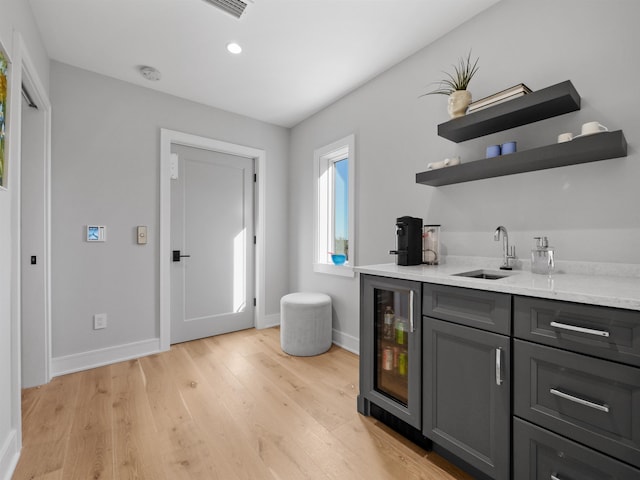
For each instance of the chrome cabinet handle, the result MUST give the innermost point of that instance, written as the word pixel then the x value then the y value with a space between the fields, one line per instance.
pixel 411 311
pixel 574 328
pixel 581 401
pixel 555 477
pixel 498 366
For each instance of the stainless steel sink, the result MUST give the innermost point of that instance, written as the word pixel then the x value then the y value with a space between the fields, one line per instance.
pixel 484 274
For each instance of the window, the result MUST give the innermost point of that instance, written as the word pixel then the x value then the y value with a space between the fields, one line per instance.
pixel 334 167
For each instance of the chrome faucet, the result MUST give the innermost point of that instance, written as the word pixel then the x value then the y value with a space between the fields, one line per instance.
pixel 508 253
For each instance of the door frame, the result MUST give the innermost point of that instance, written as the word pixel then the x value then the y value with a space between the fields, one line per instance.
pixel 23 68
pixel 168 138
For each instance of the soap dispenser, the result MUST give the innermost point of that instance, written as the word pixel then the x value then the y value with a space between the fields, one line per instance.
pixel 542 257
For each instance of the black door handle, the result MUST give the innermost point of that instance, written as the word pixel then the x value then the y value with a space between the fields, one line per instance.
pixel 177 256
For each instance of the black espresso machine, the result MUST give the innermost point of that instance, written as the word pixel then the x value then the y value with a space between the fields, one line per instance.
pixel 408 241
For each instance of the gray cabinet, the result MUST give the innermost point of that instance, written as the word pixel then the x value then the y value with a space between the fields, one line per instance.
pixel 577 387
pixel 466 394
pixel 592 401
pixel 539 454
pixel 475 308
pixel 466 375
pixel 390 358
pixel 514 386
pixel 605 332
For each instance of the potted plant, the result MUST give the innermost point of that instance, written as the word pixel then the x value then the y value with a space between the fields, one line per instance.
pixel 455 86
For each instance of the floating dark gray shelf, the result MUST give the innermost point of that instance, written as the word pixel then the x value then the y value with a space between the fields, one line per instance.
pixel 601 146
pixel 546 103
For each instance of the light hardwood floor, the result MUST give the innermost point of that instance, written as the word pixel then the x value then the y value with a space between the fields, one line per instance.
pixel 228 407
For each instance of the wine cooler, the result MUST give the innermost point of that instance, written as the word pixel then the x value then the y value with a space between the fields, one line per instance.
pixel 390 356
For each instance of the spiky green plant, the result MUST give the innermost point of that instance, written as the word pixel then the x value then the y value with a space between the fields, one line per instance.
pixel 464 72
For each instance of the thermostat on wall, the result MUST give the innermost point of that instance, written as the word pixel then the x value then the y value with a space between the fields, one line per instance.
pixel 96 233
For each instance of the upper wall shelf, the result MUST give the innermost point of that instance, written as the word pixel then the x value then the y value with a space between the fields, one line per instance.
pixel 546 103
pixel 601 146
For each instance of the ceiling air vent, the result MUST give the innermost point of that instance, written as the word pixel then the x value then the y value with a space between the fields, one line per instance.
pixel 234 7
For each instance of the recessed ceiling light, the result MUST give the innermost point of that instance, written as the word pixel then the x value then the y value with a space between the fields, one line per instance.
pixel 150 73
pixel 234 48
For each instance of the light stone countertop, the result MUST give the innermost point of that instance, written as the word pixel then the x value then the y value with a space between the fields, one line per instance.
pixel 585 287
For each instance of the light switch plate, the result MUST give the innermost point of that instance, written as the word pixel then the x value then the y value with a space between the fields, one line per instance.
pixel 142 235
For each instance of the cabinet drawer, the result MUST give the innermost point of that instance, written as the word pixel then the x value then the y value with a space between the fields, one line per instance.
pixel 539 454
pixel 592 401
pixel 609 333
pixel 476 308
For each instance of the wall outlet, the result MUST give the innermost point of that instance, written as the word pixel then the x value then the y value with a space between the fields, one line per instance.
pixel 99 321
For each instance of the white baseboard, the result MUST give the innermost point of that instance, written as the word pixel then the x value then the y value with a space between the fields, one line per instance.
pixel 103 356
pixel 106 356
pixel 269 321
pixel 346 341
pixel 9 455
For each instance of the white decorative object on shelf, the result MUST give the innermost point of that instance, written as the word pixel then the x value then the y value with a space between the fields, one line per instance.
pixel 447 162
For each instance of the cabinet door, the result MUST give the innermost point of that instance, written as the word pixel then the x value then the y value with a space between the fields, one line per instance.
pixel 390 347
pixel 466 394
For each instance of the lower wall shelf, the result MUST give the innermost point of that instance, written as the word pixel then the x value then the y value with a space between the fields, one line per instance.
pixel 601 146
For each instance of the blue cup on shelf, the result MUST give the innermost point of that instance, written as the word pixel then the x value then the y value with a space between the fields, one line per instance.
pixel 493 151
pixel 509 147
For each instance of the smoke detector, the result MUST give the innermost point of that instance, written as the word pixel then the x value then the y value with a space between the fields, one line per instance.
pixel 150 73
pixel 233 7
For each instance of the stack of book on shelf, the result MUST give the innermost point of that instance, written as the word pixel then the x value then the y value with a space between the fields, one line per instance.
pixel 500 97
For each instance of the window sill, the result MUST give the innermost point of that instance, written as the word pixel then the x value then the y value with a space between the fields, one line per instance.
pixel 340 270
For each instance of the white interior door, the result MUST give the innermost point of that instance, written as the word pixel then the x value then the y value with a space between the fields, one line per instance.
pixel 212 279
pixel 34 188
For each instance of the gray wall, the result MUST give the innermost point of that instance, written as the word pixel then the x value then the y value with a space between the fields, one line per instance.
pixel 106 137
pixel 590 212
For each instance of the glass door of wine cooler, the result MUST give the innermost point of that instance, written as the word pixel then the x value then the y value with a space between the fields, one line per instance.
pixel 390 347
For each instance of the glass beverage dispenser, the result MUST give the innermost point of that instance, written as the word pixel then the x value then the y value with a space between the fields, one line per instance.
pixel 431 244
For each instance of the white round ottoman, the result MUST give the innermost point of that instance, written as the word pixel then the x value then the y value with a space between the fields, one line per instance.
pixel 305 323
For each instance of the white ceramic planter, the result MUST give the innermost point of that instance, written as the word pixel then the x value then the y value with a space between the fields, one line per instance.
pixel 458 103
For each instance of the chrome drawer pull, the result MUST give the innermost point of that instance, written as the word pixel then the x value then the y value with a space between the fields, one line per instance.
pixel 573 328
pixel 555 477
pixel 581 401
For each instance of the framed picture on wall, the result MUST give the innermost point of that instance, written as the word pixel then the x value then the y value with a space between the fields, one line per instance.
pixel 4 97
